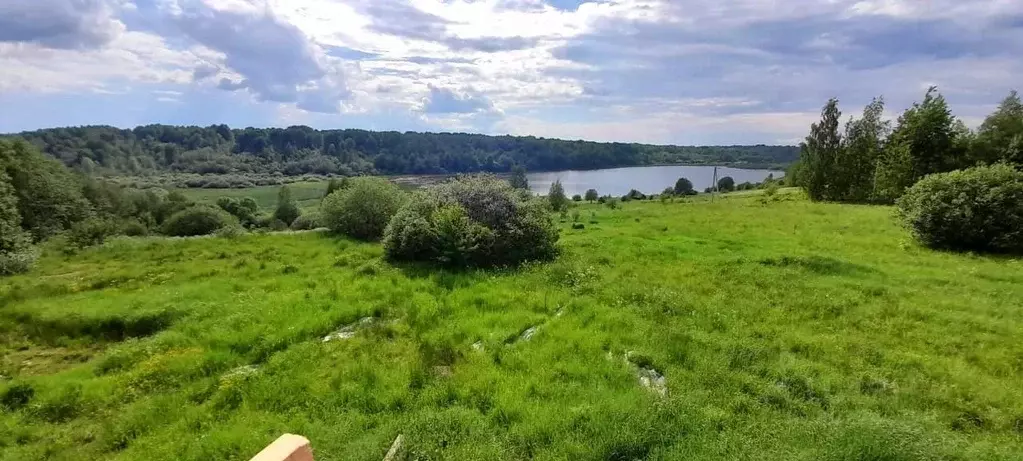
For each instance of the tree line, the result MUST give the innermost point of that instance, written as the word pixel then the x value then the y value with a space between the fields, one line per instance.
pixel 299 150
pixel 954 188
pixel 870 161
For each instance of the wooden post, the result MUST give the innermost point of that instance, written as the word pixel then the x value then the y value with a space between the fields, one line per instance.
pixel 288 447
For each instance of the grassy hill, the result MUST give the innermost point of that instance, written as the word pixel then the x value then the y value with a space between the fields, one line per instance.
pixel 783 330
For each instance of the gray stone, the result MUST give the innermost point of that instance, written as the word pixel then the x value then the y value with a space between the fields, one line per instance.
pixel 348 331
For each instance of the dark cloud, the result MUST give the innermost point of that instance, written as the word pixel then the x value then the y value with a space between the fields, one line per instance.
pixel 400 19
pixel 489 44
pixel 203 72
pixel 447 101
pixel 789 64
pixel 276 60
pixel 66 24
pixel 403 20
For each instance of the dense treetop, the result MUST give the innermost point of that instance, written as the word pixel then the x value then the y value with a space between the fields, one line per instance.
pixel 300 150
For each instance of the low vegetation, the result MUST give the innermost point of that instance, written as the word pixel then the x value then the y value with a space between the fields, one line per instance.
pixel 766 328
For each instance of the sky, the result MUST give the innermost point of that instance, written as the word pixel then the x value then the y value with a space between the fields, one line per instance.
pixel 654 71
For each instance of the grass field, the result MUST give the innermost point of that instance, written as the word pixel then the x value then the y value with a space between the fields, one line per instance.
pixel 784 330
pixel 307 194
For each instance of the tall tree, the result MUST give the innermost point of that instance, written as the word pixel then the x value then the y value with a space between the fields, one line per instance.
pixel 1000 137
pixel 556 197
pixel 50 198
pixel 518 178
pixel 592 195
pixel 928 129
pixel 15 243
pixel 11 235
pixel 856 163
pixel 819 153
pixel 287 211
pixel 927 139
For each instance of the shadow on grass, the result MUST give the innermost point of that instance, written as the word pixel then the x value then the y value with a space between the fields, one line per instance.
pixel 108 328
pixel 820 265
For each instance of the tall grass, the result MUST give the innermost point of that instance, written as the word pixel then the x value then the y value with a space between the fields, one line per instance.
pixel 784 330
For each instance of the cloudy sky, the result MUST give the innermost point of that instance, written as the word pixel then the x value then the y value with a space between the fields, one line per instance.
pixel 659 71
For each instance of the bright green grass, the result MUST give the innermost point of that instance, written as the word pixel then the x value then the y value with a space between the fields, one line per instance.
pixel 307 194
pixel 787 331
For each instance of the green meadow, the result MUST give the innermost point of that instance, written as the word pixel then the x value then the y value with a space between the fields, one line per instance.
pixel 306 194
pixel 747 328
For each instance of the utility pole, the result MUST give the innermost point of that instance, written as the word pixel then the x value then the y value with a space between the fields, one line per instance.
pixel 714 185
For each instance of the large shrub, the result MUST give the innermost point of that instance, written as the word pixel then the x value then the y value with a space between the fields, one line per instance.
pixel 974 209
pixel 726 184
pixel 474 221
pixel 363 210
pixel 308 221
pixel 198 220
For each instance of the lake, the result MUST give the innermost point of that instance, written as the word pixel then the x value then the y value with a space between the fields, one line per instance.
pixel 646 179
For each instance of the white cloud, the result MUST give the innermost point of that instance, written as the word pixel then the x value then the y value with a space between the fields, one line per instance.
pixel 645 70
pixel 134 57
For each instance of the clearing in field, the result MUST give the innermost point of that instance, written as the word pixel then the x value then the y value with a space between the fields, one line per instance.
pixel 740 329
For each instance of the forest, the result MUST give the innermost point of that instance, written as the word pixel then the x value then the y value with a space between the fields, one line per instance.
pixel 300 150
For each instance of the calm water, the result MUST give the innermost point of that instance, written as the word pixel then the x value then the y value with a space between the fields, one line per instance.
pixel 646 179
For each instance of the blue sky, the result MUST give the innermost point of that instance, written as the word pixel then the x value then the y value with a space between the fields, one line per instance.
pixel 659 71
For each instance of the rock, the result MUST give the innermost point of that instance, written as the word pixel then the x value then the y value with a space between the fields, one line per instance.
pixel 653 380
pixel 394 454
pixel 478 345
pixel 244 370
pixel 348 331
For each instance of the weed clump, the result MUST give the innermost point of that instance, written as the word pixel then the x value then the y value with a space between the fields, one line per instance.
pixel 17 396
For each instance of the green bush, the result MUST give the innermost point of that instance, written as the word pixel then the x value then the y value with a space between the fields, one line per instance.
pixel 245 209
pixel 91 232
pixel 474 221
pixel 308 221
pixel 230 231
pixel 363 210
pixel 977 209
pixel 198 220
pixel 19 260
pixel 134 228
pixel 276 225
pixel 684 187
